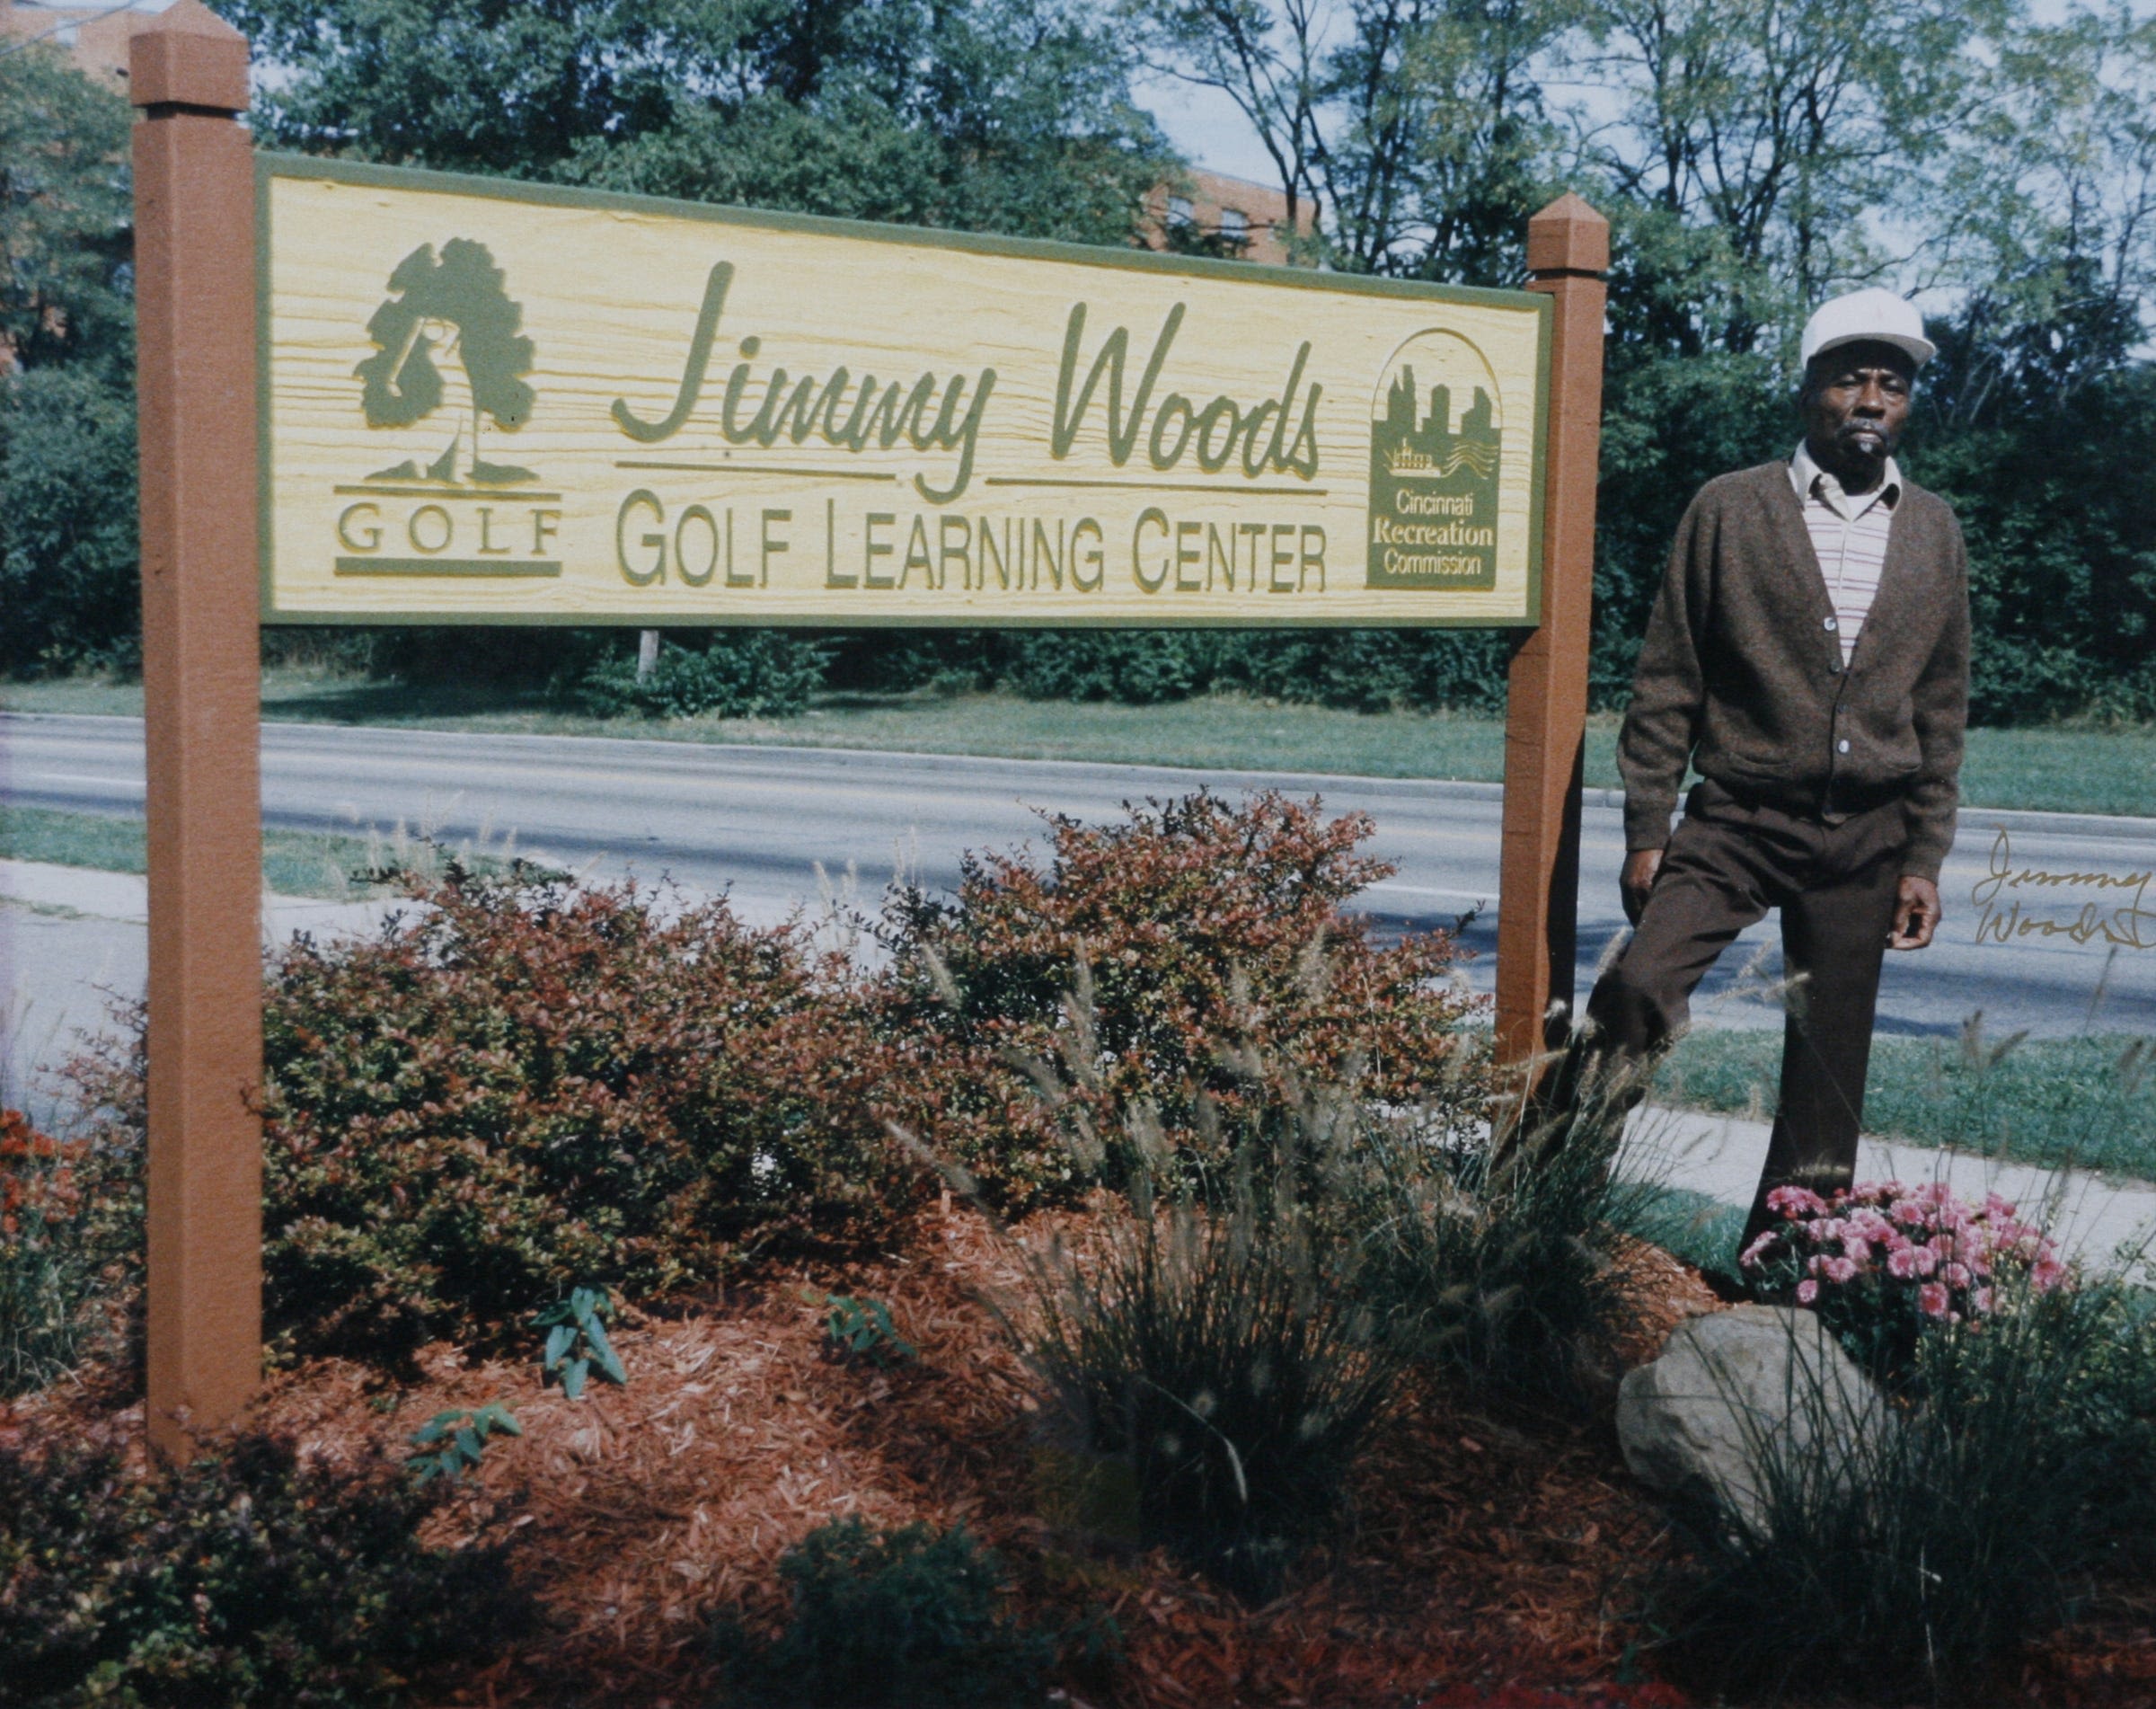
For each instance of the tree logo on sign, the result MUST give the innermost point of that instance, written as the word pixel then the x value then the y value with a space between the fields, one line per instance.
pixel 448 332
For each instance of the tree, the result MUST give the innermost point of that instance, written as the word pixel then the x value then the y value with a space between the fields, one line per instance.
pixel 458 304
pixel 67 469
pixel 65 212
pixel 1012 115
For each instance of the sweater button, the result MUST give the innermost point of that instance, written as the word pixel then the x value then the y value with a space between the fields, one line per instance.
pixel 1831 625
pixel 1842 747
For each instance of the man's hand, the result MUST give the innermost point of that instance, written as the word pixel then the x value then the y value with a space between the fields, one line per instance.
pixel 1917 912
pixel 1642 866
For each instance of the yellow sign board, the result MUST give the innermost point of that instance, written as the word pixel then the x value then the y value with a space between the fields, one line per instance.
pixel 502 402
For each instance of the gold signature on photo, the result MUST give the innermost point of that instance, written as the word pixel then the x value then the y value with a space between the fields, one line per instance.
pixel 2120 917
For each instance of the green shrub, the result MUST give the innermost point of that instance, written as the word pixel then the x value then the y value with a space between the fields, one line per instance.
pixel 46 1273
pixel 1178 921
pixel 68 542
pixel 905 1618
pixel 249 1576
pixel 520 1087
pixel 2016 1468
pixel 756 674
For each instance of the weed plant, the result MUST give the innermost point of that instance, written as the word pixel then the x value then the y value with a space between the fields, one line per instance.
pixel 900 1619
pixel 250 1577
pixel 2015 1467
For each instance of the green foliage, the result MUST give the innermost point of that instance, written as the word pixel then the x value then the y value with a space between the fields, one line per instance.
pixel 458 1438
pixel 1168 927
pixel 756 674
pixel 577 1339
pixel 1012 115
pixel 1971 1525
pixel 521 1088
pixel 253 1577
pixel 64 209
pixel 858 1331
pixel 68 541
pixel 896 1619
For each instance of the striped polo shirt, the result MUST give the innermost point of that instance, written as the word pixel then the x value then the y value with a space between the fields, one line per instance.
pixel 1848 539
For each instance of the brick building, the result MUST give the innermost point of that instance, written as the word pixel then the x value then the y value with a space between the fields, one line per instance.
pixel 1212 213
pixel 94 36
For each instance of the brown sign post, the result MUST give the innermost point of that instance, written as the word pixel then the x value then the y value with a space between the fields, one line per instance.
pixel 194 250
pixel 1546 698
pixel 204 554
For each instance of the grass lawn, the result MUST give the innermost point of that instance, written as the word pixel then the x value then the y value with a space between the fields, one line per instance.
pixel 2064 770
pixel 293 862
pixel 2088 1102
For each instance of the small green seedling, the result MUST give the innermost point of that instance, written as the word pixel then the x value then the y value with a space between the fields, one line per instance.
pixel 576 1341
pixel 459 1438
pixel 863 1329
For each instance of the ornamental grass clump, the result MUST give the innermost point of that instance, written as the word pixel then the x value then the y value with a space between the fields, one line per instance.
pixel 2009 1477
pixel 1493 1246
pixel 1205 1339
pixel 522 1086
pixel 1883 1262
pixel 1186 913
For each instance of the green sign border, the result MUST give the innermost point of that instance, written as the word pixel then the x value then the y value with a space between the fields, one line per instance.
pixel 268 165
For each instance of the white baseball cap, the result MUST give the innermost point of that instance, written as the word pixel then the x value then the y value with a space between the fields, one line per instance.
pixel 1871 314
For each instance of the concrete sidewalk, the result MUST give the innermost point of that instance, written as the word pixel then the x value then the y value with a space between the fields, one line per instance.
pixel 2092 1216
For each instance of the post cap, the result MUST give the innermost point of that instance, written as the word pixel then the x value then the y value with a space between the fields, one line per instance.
pixel 188 56
pixel 1568 237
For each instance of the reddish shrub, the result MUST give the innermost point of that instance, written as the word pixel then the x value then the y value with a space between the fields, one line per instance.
pixel 1194 925
pixel 519 1086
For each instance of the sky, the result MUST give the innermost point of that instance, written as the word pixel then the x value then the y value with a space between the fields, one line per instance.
pixel 1208 128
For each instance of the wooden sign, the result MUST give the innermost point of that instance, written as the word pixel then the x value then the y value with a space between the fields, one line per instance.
pixel 493 402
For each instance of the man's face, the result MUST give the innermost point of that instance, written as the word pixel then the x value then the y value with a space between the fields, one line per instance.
pixel 1855 404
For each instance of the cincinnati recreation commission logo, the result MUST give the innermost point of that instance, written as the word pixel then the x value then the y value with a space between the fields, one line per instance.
pixel 450 358
pixel 1435 441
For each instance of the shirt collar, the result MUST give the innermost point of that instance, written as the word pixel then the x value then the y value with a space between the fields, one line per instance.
pixel 1809 478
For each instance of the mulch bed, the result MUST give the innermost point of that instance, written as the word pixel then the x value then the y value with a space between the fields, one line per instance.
pixel 1496 1557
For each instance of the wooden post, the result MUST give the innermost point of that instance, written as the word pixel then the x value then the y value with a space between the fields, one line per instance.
pixel 1546 695
pixel 194 257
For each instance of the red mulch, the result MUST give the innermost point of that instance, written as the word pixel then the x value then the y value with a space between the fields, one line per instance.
pixel 1496 1559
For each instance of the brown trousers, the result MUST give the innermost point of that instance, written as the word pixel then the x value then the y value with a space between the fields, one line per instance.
pixel 1834 880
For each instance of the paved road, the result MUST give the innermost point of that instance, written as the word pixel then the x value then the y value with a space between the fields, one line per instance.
pixel 765 820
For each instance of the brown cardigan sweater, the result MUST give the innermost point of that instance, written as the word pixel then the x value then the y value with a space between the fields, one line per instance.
pixel 1741 670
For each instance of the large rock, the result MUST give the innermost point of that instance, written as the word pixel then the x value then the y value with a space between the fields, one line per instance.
pixel 1737 1390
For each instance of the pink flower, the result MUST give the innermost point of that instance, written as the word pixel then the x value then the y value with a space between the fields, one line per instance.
pixel 1981 1300
pixel 1909 1261
pixel 1807 1292
pixel 1793 1201
pixel 2000 1210
pixel 1751 1256
pixel 1858 1249
pixel 2046 1274
pixel 1958 1276
pixel 1932 1299
pixel 1869 1223
pixel 1838 1269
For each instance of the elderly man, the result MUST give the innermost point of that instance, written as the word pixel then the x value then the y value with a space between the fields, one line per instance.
pixel 1808 655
